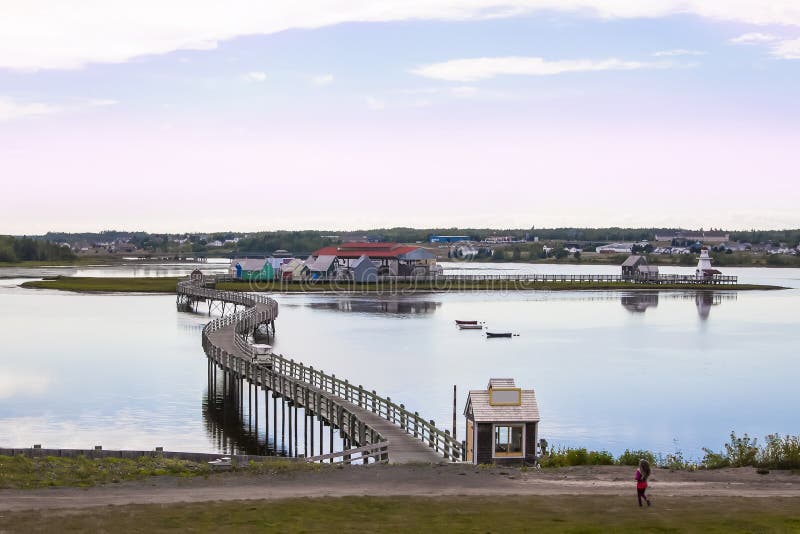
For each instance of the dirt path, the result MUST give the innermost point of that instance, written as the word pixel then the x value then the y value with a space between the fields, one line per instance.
pixel 408 481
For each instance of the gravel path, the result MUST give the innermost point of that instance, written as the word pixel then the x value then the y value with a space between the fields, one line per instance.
pixel 390 480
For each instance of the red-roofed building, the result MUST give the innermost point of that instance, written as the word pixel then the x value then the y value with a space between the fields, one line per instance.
pixel 389 258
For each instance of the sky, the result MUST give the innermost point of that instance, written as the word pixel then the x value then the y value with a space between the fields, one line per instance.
pixel 193 115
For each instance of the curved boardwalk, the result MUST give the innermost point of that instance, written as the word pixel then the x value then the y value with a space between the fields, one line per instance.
pixel 375 426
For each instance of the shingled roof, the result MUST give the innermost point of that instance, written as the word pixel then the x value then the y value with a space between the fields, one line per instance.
pixel 481 411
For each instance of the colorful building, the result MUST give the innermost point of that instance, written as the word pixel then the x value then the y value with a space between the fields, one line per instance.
pixel 390 259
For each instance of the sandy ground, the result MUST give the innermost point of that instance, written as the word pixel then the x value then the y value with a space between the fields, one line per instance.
pixel 388 480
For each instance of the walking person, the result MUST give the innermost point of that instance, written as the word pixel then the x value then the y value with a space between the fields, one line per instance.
pixel 642 474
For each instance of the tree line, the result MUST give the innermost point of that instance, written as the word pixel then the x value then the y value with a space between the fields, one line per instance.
pixel 14 249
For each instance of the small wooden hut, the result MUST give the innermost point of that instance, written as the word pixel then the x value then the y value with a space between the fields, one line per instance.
pixel 502 424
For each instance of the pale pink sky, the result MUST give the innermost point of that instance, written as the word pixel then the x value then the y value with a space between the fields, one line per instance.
pixel 515 113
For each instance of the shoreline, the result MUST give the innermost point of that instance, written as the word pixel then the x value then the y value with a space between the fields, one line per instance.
pixel 166 285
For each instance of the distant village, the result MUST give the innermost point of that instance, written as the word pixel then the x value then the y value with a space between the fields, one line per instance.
pixel 229 244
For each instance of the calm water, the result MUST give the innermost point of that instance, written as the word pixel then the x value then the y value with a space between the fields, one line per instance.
pixel 611 370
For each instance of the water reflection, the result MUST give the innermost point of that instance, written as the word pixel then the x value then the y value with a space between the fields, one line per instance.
pixel 241 419
pixel 639 302
pixel 378 306
pixel 704 300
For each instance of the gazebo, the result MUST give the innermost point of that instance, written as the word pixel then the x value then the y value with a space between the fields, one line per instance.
pixel 502 424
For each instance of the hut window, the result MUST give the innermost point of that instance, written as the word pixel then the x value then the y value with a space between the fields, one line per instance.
pixel 508 440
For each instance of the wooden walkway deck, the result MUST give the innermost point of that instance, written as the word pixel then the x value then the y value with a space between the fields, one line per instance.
pixel 362 417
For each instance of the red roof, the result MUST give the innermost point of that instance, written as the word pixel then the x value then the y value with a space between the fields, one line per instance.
pixel 372 250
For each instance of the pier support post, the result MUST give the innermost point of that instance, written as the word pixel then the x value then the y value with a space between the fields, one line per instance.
pixel 290 430
pixel 283 425
pixel 331 441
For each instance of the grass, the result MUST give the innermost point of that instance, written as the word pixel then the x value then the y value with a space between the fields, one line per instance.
pixel 21 472
pixel 164 284
pixel 562 513
pixel 167 285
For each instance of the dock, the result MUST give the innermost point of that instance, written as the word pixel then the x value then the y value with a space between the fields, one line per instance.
pixel 373 428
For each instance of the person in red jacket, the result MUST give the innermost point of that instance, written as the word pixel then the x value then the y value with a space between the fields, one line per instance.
pixel 642 474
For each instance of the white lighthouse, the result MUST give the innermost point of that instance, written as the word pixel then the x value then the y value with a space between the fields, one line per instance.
pixel 704 269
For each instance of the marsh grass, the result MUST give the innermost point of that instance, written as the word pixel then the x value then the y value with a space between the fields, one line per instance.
pixel 22 472
pixel 86 284
pixel 168 285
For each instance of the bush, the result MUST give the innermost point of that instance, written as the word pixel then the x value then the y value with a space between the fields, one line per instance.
pixel 572 457
pixel 632 457
pixel 780 453
pixel 714 460
pixel 741 452
pixel 577 456
pixel 600 458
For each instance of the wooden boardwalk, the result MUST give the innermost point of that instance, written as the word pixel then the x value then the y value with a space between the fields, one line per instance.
pixel 362 417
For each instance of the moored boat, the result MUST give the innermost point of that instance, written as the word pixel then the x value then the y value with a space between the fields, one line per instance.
pixel 466 322
pixel 499 334
pixel 470 327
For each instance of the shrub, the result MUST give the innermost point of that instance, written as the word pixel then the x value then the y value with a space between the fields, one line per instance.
pixel 577 456
pixel 632 457
pixel 715 460
pixel 571 457
pixel 780 452
pixel 741 452
pixel 600 458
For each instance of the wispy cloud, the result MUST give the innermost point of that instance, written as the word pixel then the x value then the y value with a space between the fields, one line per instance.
pixel 12 109
pixel 464 91
pixel 470 70
pixel 255 76
pixel 678 52
pixel 789 49
pixel 753 38
pixel 375 103
pixel 102 102
pixel 322 79
pixel 41 34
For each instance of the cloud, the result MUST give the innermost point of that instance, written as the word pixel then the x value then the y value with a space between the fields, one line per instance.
pixel 470 70
pixel 375 103
pixel 11 109
pixel 789 49
pixel 753 38
pixel 14 383
pixel 678 52
pixel 322 79
pixel 102 102
pixel 69 34
pixel 255 76
pixel 464 91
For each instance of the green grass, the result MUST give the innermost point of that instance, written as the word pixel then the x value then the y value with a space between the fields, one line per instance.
pixel 167 285
pixel 21 472
pixel 585 514
pixel 86 284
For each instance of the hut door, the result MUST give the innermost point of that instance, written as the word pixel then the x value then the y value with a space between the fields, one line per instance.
pixel 470 434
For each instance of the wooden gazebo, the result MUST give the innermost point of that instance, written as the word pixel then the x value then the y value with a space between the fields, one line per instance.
pixel 502 424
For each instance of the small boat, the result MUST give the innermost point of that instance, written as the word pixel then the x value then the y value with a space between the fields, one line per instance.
pixel 499 334
pixel 466 322
pixel 470 327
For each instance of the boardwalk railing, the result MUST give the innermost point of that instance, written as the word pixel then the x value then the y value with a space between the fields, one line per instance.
pixel 378 451
pixel 305 385
pixel 445 279
pixel 441 441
